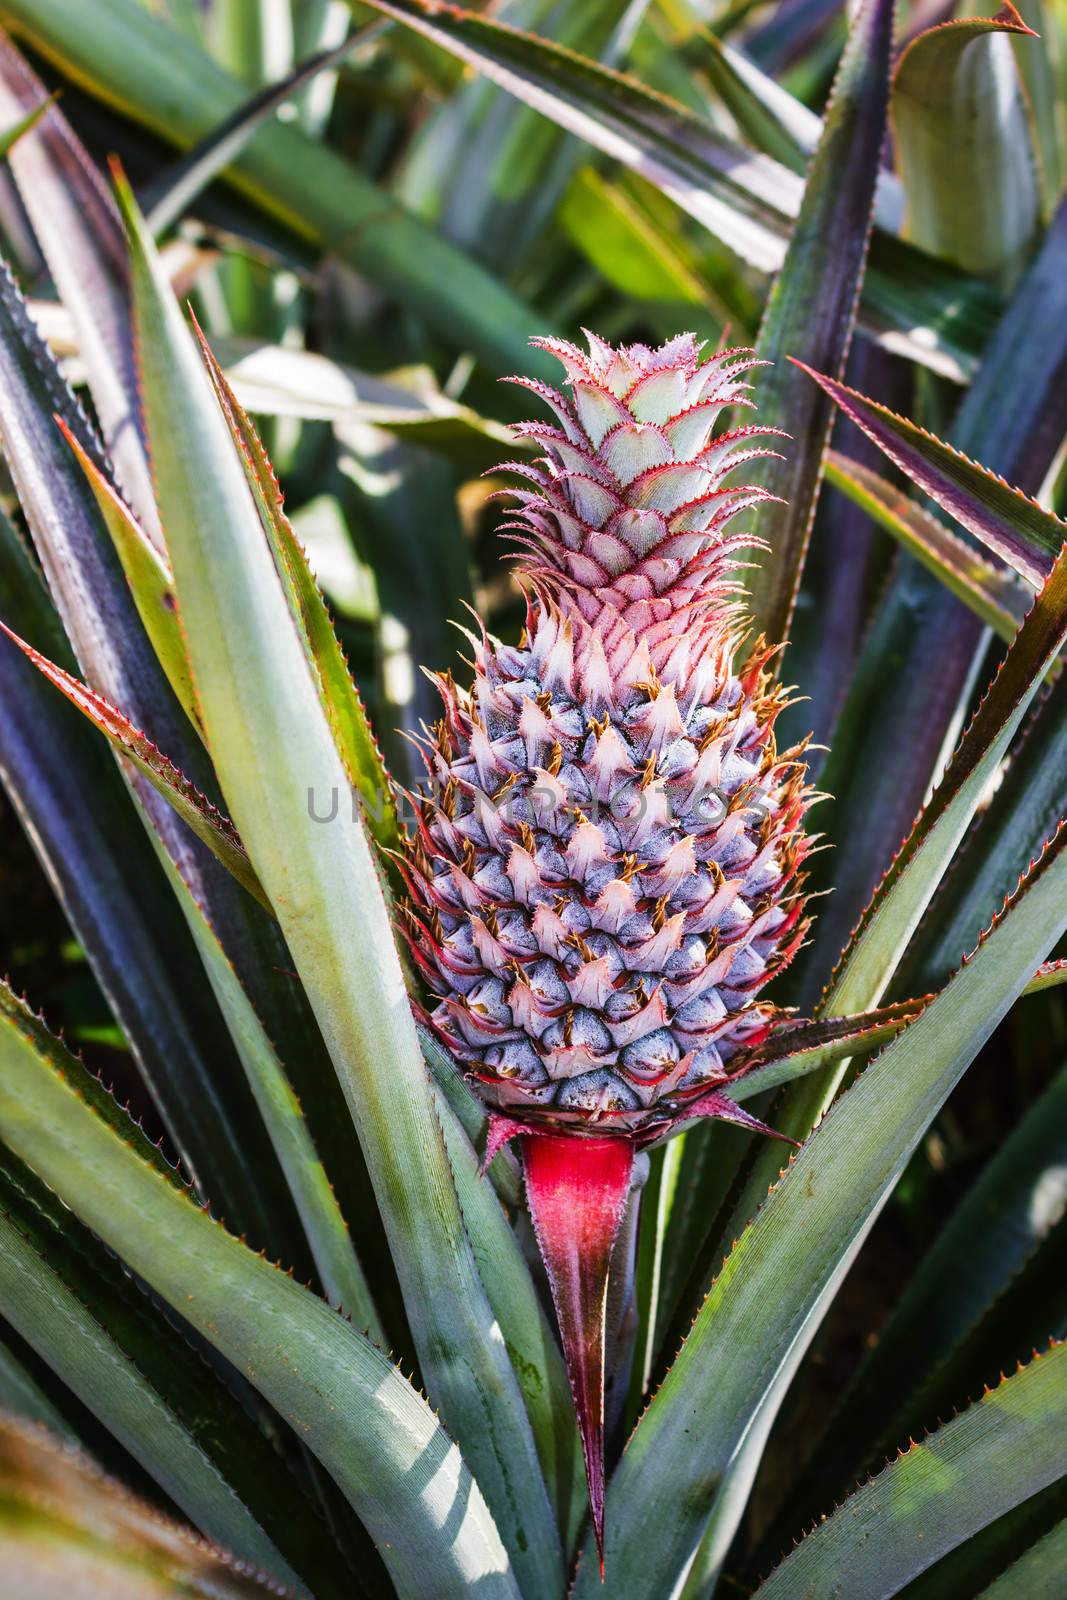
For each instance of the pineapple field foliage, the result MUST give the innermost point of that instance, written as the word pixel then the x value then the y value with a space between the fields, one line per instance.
pixel 388 1205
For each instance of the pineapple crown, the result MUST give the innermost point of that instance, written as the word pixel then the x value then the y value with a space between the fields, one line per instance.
pixel 624 527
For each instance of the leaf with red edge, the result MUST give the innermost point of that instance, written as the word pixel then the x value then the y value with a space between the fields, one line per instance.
pixel 812 308
pixel 1006 520
pixel 577 1190
pixel 996 596
pixel 195 809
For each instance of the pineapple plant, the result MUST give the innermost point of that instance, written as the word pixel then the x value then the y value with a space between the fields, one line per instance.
pixel 477 1139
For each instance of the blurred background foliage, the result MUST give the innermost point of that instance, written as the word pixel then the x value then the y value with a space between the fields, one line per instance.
pixel 367 254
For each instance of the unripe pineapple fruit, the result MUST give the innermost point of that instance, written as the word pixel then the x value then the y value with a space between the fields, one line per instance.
pixel 606 872
pixel 606 868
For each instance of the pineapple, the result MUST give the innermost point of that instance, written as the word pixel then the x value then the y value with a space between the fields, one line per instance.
pixel 606 871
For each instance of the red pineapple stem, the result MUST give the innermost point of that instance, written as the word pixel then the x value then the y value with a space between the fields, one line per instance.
pixel 577 1191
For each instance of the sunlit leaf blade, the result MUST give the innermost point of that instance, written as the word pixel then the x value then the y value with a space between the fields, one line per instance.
pixel 725 1386
pixel 743 202
pixel 134 59
pixel 148 573
pixel 227 1149
pixel 85 1349
pixel 195 809
pixel 812 307
pixel 1006 520
pixel 998 599
pixel 964 145
pixel 768 116
pixel 938 1493
pixel 63 1525
pixel 1038 63
pixel 274 380
pixel 78 229
pixel 340 698
pixel 351 1407
pixel 488 169
pixel 262 713
pixel 745 199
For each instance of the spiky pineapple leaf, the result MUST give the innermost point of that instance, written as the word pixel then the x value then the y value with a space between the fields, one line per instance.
pixel 148 573
pixel 725 1387
pixel 378 1439
pixel 904 893
pixel 272 744
pixel 964 144
pixel 134 59
pixel 63 1524
pixel 939 1492
pixel 1000 1223
pixel 340 1271
pixel 1006 520
pixel 195 809
pixel 78 230
pixel 746 200
pixel 768 116
pixel 996 597
pixel 812 306
pixel 226 1147
pixel 91 1352
pixel 340 698
pixel 1003 837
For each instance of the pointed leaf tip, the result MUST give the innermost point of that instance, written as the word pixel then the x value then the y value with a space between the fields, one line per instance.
pixel 577 1189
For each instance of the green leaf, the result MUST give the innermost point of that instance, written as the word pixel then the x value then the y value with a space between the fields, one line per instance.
pixel 991 593
pixel 1010 523
pixel 377 1438
pixel 1040 1574
pixel 964 146
pixel 10 137
pixel 148 574
pixel 136 61
pixel 84 1353
pixel 262 713
pixel 812 306
pixel 339 696
pixel 340 1272
pixel 1006 834
pixel 722 1392
pixel 195 809
pixel 768 116
pixel 904 893
pixel 21 1397
pixel 939 1493
pixel 746 200
pixel 1010 1209
pixel 63 1525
